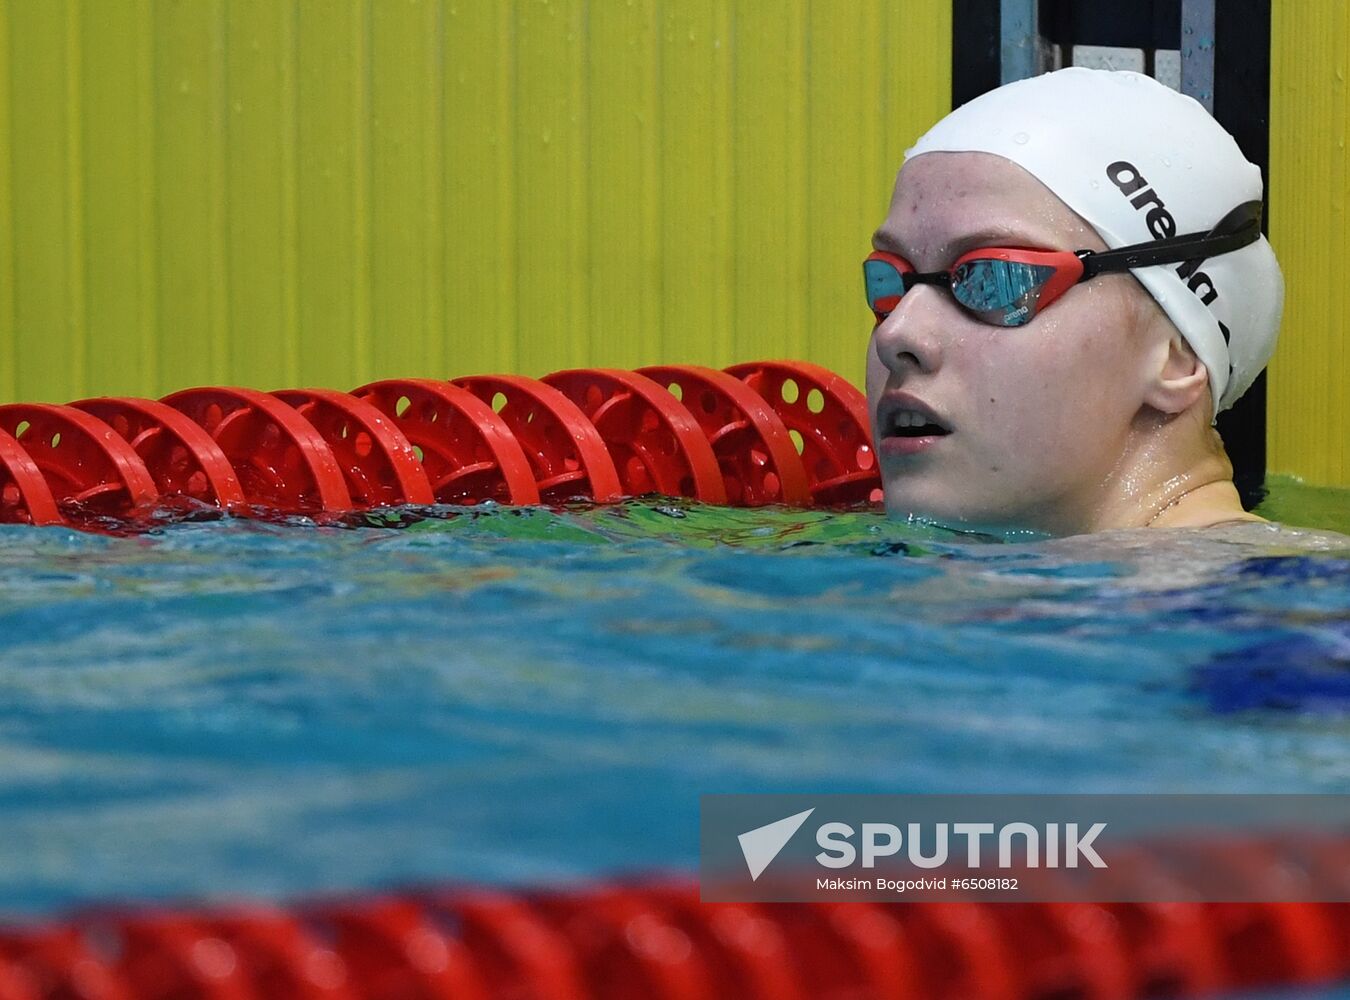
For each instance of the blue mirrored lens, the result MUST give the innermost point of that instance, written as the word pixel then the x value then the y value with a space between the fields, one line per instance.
pixel 1002 292
pixel 884 285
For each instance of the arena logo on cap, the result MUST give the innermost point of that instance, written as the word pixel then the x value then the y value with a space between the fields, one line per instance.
pixel 1161 225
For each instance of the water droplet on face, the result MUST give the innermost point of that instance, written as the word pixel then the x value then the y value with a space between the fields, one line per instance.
pixel 1021 138
pixel 1094 184
pixel 1166 162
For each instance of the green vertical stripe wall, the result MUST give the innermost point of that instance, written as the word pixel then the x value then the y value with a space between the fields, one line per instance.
pixel 323 192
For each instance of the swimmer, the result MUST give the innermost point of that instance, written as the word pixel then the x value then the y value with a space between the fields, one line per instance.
pixel 1020 375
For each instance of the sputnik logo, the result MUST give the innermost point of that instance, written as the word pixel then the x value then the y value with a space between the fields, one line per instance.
pixel 762 844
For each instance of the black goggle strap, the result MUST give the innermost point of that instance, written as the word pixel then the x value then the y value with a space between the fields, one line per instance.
pixel 1234 231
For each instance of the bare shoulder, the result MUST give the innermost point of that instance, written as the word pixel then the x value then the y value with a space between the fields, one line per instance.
pixel 1150 559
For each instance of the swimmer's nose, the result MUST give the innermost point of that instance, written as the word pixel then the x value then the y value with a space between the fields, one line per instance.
pixel 906 339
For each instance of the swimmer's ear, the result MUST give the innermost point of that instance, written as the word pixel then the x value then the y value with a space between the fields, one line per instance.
pixel 1181 379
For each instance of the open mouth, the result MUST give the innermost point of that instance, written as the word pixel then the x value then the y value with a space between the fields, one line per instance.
pixel 911 424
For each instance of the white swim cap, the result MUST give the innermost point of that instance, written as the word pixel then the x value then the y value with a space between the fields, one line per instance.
pixel 1139 162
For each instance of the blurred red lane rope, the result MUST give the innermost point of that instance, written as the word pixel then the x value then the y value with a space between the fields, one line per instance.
pixel 656 940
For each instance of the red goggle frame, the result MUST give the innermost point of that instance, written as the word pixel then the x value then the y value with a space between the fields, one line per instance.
pixel 1008 286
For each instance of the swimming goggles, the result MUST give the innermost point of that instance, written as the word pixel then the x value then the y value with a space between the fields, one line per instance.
pixel 1008 286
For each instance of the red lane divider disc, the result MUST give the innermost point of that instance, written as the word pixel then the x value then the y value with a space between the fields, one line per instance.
pixel 1264 943
pixel 468 451
pixel 656 443
pixel 746 953
pixel 16 984
pixel 25 497
pixel 167 956
pixel 58 963
pixel 282 462
pixel 830 420
pixel 1074 949
pixel 759 462
pixel 830 958
pixel 392 950
pixel 518 953
pixel 180 456
pixel 283 959
pixel 629 949
pixel 1306 928
pixel 1171 948
pixel 377 460
pixel 1326 859
pixel 565 450
pixel 83 460
pixel 965 954
pixel 877 941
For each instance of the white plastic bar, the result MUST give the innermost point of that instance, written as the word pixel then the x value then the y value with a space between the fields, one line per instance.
pixel 1020 39
pixel 1197 51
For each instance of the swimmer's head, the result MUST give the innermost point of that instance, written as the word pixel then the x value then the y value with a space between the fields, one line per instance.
pixel 1139 161
pixel 1100 399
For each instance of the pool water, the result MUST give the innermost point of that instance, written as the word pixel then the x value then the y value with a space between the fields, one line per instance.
pixel 523 697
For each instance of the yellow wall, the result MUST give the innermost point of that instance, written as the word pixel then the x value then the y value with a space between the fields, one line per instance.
pixel 322 192
pixel 1309 392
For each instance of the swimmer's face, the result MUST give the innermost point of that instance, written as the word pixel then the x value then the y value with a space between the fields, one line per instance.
pixel 1039 414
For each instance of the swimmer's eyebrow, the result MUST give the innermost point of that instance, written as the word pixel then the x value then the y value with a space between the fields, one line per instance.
pixel 1000 237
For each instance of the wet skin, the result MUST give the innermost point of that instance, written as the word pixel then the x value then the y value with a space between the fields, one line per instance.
pixel 1083 419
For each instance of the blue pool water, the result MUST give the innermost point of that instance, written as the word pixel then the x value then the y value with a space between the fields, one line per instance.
pixel 528 696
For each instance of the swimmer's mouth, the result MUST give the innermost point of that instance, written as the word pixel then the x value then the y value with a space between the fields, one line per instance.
pixel 903 415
